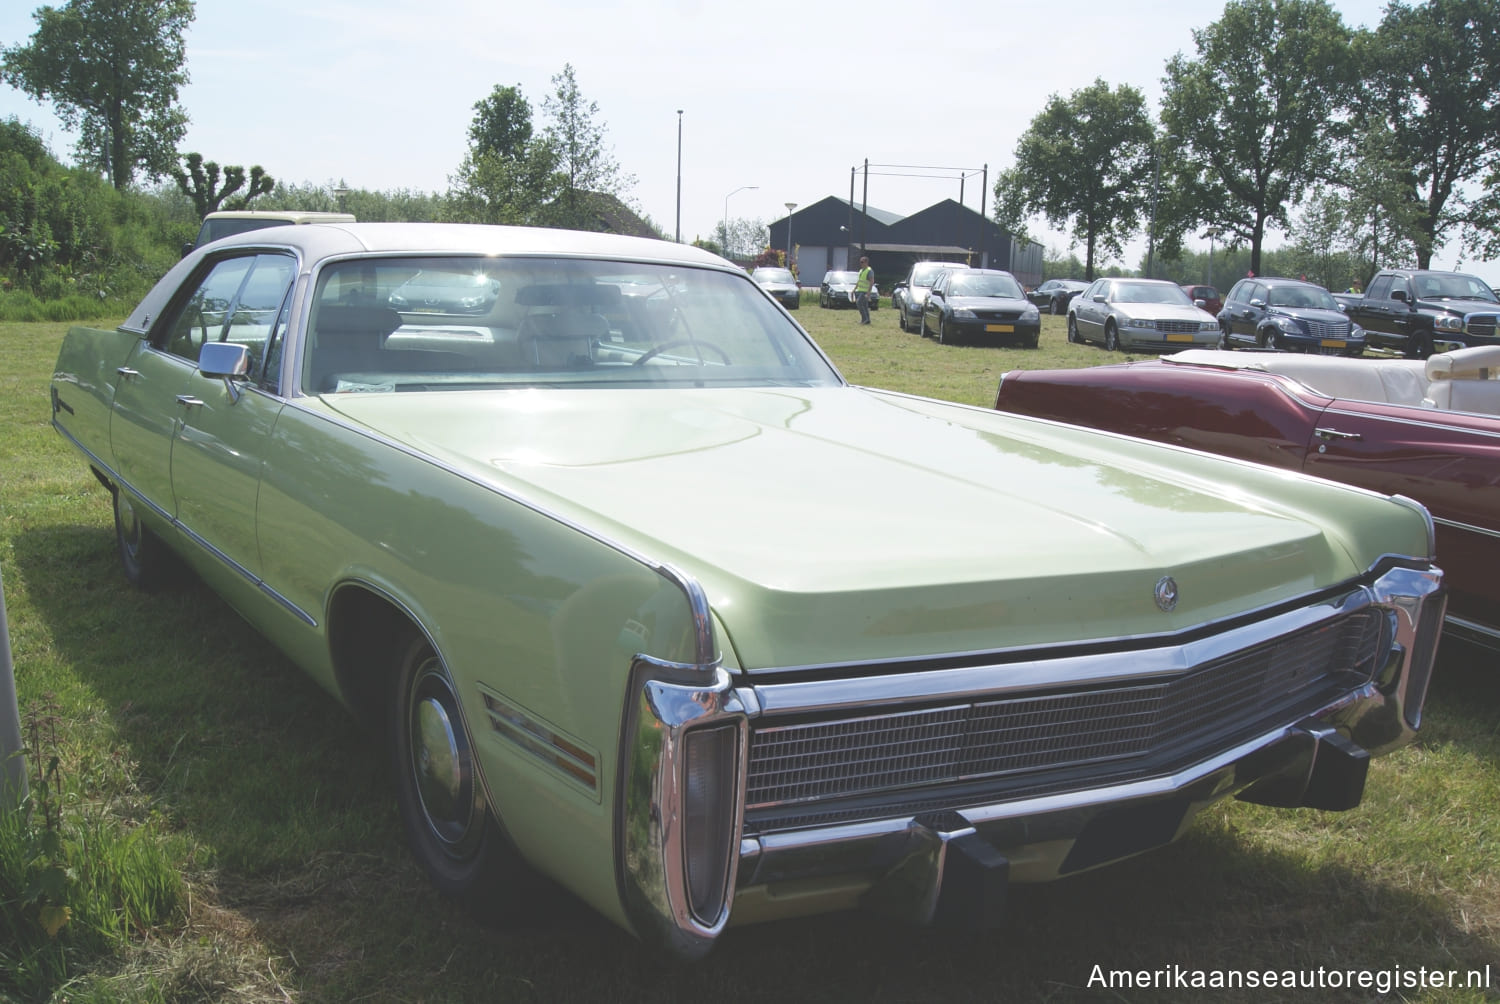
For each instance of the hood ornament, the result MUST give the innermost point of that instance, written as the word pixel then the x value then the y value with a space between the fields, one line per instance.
pixel 1166 594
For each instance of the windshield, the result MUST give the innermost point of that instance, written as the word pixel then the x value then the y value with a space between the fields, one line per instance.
pixel 926 273
pixel 772 275
pixel 1454 286
pixel 841 278
pixel 1313 297
pixel 548 322
pixel 986 285
pixel 1149 292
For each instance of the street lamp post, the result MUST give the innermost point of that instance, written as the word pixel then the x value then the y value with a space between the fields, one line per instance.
pixel 790 261
pixel 679 176
pixel 742 188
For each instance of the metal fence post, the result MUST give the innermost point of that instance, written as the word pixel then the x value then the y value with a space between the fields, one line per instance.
pixel 13 774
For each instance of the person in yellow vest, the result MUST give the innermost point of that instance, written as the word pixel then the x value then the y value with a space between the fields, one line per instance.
pixel 862 287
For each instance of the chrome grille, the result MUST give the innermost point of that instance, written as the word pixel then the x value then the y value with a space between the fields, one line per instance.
pixel 1178 327
pixel 1328 329
pixel 1481 324
pixel 805 772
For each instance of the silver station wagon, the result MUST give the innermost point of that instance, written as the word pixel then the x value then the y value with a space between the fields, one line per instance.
pixel 627 578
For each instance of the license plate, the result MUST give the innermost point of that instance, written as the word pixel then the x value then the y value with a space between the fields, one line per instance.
pixel 1332 343
pixel 999 327
pixel 1179 338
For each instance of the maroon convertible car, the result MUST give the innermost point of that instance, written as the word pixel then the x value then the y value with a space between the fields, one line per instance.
pixel 1428 430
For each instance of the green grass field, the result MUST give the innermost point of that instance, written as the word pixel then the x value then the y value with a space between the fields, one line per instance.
pixel 185 744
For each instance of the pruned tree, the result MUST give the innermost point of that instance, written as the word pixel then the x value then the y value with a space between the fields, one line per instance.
pixel 111 69
pixel 1250 122
pixel 1434 84
pixel 199 181
pixel 1082 164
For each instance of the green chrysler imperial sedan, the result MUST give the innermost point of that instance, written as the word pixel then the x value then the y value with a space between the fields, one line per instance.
pixel 641 595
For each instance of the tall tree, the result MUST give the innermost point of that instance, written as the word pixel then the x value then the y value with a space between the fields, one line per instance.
pixel 1434 82
pixel 1250 122
pixel 111 69
pixel 502 123
pixel 577 141
pixel 507 175
pixel 199 181
pixel 1083 161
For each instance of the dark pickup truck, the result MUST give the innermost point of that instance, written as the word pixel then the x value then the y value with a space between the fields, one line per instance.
pixel 1418 311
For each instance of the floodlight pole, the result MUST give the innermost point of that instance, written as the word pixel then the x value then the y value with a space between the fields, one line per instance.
pixel 12 760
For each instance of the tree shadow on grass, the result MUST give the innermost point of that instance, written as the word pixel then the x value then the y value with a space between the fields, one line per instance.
pixel 290 802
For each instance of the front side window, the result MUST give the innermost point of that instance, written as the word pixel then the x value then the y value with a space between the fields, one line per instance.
pixel 240 300
pixel 552 322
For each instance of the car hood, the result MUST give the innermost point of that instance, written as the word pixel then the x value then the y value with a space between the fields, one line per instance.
pixel 1310 314
pixel 1163 311
pixel 1460 307
pixel 837 524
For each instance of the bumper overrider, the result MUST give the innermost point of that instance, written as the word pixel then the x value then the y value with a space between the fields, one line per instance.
pixel 923 789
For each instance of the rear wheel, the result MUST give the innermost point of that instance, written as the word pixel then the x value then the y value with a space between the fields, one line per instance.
pixel 147 562
pixel 448 822
pixel 1111 337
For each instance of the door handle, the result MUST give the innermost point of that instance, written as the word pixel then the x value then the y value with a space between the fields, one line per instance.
pixel 188 401
pixel 1336 434
pixel 127 373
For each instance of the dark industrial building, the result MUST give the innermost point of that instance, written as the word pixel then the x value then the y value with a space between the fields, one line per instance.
pixel 833 233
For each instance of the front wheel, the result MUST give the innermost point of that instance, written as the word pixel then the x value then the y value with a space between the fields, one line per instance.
pixel 1420 346
pixel 1073 330
pixel 448 822
pixel 1111 337
pixel 1224 338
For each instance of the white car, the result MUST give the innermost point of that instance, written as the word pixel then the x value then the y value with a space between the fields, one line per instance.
pixel 1125 313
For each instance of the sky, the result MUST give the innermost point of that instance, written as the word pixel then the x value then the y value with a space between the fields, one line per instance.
pixel 779 102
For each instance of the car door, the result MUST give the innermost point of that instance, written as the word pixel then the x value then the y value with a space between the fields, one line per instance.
pixel 1088 315
pixel 1245 309
pixel 151 393
pixel 932 310
pixel 1377 312
pixel 219 448
pixel 1448 461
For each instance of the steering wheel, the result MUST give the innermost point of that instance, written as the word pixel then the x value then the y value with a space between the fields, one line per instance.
pixel 697 343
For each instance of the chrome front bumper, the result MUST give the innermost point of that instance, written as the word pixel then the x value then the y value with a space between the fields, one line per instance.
pixel 931 852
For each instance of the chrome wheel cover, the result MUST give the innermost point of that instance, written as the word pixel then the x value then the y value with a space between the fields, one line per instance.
pixel 441 761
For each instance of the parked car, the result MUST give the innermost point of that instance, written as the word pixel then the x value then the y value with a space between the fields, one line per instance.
pixel 1054 295
pixel 225 222
pixel 781 284
pixel 980 304
pixel 911 293
pixel 1139 314
pixel 623 575
pixel 837 291
pixel 1420 311
pixel 1212 302
pixel 1430 431
pixel 446 292
pixel 1288 315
